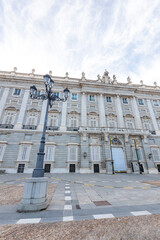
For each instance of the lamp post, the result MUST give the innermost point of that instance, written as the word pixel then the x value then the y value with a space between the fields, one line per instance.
pixel 35 188
pixel 136 143
pixel 50 97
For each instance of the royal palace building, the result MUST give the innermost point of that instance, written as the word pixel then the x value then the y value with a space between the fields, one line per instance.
pixel 104 126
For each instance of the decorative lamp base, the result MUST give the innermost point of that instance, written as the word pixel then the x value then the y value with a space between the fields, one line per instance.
pixel 34 195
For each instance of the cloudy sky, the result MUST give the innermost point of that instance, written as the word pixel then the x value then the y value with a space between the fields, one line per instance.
pixel 122 36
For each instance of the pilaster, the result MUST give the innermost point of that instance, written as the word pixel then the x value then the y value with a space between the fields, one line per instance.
pixel 120 120
pixel 64 116
pixel 43 111
pixel 154 121
pixel 3 100
pixel 19 123
pixel 102 119
pixel 138 123
pixel 83 110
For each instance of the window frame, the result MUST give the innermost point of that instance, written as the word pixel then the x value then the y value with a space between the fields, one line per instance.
pixel 125 101
pixel 76 152
pixel 20 153
pixel 90 98
pixel 156 102
pixel 3 145
pixel 97 154
pixel 140 101
pixel 107 98
pixel 73 99
pixel 51 146
pixel 16 95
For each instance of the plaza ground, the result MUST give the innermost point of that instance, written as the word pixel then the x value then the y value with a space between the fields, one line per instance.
pixel 84 206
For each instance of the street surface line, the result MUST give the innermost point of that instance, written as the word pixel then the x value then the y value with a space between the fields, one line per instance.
pixel 28 220
pixel 67 198
pixel 101 216
pixel 108 186
pixel 86 184
pixel 127 187
pixel 67 207
pixel 66 219
pixel 140 213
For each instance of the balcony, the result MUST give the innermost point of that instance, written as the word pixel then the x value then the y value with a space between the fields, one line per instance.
pixel 54 128
pixel 32 127
pixel 114 130
pixel 9 126
pixel 72 128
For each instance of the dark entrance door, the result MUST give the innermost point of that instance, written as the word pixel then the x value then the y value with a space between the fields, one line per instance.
pixel 158 166
pixel 96 168
pixel 47 168
pixel 20 168
pixel 141 168
pixel 72 167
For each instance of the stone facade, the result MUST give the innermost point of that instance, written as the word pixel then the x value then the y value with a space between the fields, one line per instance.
pixel 103 126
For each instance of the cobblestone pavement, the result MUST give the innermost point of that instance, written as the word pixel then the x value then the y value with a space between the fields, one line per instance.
pixel 84 196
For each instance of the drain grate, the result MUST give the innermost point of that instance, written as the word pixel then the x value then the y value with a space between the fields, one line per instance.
pixel 101 203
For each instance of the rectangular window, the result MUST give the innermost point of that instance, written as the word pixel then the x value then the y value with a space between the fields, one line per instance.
pixel 140 101
pixel 125 100
pixel 49 153
pixel 108 99
pixel 72 153
pixel 56 94
pixel 24 152
pixel 155 103
pixel 155 152
pixel 92 98
pixel 74 96
pixel 95 153
pixel 17 91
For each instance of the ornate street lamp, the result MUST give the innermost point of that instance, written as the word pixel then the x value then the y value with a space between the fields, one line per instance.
pixel 50 97
pixel 110 141
pixel 35 188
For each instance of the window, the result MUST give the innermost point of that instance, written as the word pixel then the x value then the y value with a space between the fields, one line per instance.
pixel 140 101
pixel 56 94
pixel 92 98
pixel 49 153
pixel 9 118
pixel 108 99
pixel 24 152
pixel 155 103
pixel 125 100
pixel 156 156
pixel 93 121
pixel 17 92
pixel 32 119
pixel 74 96
pixel 53 120
pixel 73 121
pixel 111 122
pixel 129 123
pixel 73 153
pixel 95 153
pixel 147 125
pixel 2 149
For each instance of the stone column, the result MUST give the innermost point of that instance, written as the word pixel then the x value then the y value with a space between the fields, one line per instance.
pixel 85 154
pixel 108 157
pixel 63 116
pixel 19 123
pixel 43 110
pixel 83 110
pixel 154 121
pixel 3 100
pixel 102 119
pixel 120 120
pixel 138 123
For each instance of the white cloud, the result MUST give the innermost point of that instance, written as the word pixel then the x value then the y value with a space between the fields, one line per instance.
pixel 79 35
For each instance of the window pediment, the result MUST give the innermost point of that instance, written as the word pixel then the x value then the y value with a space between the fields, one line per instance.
pixel 11 108
pixel 93 113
